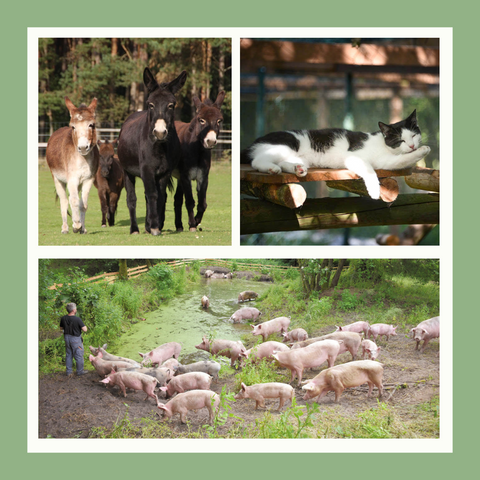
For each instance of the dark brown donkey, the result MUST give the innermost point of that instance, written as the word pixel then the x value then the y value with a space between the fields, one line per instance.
pixel 109 182
pixel 148 147
pixel 73 158
pixel 197 138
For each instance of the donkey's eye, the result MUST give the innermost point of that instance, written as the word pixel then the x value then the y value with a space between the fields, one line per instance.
pixel 219 121
pixel 73 127
pixel 151 106
pixel 171 105
pixel 92 125
pixel 202 121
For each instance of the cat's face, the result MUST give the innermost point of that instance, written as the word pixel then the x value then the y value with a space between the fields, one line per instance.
pixel 404 136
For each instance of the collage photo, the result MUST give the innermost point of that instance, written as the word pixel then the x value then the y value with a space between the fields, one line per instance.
pixel 235 242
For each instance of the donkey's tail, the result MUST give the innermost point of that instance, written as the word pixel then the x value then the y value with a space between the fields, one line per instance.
pixel 170 185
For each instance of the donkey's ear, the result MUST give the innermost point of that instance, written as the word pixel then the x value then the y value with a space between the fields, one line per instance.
pixel 93 105
pixel 149 80
pixel 197 102
pixel 175 85
pixel 220 97
pixel 69 105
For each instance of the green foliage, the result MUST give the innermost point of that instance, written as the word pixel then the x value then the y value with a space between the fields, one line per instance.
pixel 292 423
pixel 257 371
pixel 162 277
pixel 222 414
pixel 348 302
pixel 127 297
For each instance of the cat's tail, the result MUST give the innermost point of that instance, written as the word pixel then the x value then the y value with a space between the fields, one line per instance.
pixel 245 157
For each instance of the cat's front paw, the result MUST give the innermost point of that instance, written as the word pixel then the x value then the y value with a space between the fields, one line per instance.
pixel 300 170
pixel 274 170
pixel 424 150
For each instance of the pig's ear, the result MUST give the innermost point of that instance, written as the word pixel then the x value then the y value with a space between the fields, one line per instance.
pixel 161 406
pixel 113 370
pixel 99 354
pixel 425 331
pixel 379 348
pixel 163 389
pixel 92 349
pixel 253 326
pixel 105 380
pixel 141 354
pixel 243 386
pixel 104 346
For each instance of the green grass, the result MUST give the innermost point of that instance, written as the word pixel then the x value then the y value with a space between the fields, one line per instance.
pixel 216 224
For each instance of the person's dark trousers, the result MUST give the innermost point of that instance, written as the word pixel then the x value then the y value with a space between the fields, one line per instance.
pixel 74 349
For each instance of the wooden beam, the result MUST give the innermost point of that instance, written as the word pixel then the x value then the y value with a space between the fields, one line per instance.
pixel 424 179
pixel 290 195
pixel 257 216
pixel 388 188
pixel 313 175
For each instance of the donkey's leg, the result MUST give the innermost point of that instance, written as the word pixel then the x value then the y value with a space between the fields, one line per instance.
pixel 112 207
pixel 61 189
pixel 131 201
pixel 189 201
pixel 83 204
pixel 151 197
pixel 178 204
pixel 202 198
pixel 162 199
pixel 74 199
pixel 103 195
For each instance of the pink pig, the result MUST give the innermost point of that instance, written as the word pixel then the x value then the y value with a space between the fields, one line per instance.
pixel 104 367
pixel 344 376
pixel 370 349
pixel 355 327
pixel 265 350
pixel 297 335
pixel 187 381
pixel 112 358
pixel 425 331
pixel 381 329
pixel 161 353
pixel 308 357
pixel 247 313
pixel 192 400
pixel 135 380
pixel 205 302
pixel 227 348
pixel 260 391
pixel 265 329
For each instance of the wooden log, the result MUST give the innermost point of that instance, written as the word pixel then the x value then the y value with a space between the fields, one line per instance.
pixel 290 195
pixel 313 175
pixel 257 216
pixel 388 188
pixel 412 235
pixel 424 179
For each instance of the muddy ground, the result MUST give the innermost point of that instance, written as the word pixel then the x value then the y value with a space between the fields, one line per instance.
pixel 71 407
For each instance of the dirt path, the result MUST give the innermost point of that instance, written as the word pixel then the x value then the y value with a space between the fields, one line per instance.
pixel 71 407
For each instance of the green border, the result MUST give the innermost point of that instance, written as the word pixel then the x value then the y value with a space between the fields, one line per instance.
pixel 460 15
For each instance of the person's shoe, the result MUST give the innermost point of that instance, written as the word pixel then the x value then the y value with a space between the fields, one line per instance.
pixel 69 375
pixel 84 372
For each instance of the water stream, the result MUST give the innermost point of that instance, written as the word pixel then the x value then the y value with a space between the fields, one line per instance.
pixel 182 319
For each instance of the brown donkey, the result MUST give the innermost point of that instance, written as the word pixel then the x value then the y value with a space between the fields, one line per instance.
pixel 73 158
pixel 109 181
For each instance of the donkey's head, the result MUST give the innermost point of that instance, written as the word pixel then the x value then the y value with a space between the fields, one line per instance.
pixel 107 153
pixel 161 104
pixel 208 120
pixel 82 123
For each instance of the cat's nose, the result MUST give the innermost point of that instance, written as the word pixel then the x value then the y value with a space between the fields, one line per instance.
pixel 412 147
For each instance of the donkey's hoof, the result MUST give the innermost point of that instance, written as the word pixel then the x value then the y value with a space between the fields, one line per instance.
pixel 179 229
pixel 155 231
pixel 193 229
pixel 104 226
pixel 134 233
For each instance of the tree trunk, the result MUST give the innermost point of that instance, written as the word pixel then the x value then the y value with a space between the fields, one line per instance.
pixel 122 270
pixel 336 277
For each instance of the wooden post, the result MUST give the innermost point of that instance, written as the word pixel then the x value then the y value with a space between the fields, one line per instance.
pixel 290 195
pixel 388 188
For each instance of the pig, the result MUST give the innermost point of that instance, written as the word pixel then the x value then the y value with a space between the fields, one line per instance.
pixel 162 374
pixel 247 313
pixel 308 357
pixel 110 357
pixel 265 329
pixel 355 327
pixel 208 273
pixel 206 366
pixel 260 391
pixel 161 353
pixel 187 381
pixel 205 302
pixel 297 335
pixel 379 329
pixel 229 275
pixel 351 342
pixel 265 350
pixel 192 400
pixel 226 348
pixel 370 349
pixel 171 364
pixel 345 376
pixel 425 331
pixel 247 295
pixel 135 380
pixel 218 275
pixel 104 367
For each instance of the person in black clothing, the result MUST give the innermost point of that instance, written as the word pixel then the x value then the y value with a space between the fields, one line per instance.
pixel 73 327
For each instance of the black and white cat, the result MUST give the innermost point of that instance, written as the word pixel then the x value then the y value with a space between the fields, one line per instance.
pixel 394 147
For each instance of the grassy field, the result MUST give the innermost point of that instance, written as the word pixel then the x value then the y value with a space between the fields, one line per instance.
pixel 216 224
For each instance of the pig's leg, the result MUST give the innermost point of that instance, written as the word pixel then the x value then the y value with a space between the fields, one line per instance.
pixel 280 405
pixel 299 374
pixel 331 361
pixel 338 393
pixel 210 413
pixel 370 388
pixel 183 415
pixel 122 388
pixel 425 343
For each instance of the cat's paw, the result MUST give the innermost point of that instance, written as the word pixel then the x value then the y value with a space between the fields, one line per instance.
pixel 274 170
pixel 300 170
pixel 424 150
pixel 373 189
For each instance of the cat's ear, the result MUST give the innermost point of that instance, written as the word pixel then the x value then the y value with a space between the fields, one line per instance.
pixel 413 117
pixel 384 128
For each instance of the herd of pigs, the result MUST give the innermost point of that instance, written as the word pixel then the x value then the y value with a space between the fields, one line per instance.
pixel 188 386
